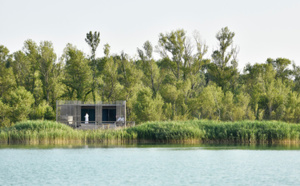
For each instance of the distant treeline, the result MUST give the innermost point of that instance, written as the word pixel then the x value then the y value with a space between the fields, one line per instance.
pixel 186 83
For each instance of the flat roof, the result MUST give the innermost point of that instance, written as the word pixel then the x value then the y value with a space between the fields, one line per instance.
pixel 91 104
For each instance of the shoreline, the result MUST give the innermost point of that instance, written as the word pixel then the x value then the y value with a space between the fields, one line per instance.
pixel 169 132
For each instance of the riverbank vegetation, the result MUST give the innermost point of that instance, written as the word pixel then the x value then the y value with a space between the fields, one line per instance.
pixel 190 132
pixel 187 82
pixel 49 132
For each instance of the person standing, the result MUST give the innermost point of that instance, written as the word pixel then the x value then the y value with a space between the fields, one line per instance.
pixel 86 118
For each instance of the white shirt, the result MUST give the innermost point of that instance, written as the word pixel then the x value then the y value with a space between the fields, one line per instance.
pixel 86 118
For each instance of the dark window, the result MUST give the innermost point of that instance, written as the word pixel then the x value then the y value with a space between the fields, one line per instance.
pixel 109 115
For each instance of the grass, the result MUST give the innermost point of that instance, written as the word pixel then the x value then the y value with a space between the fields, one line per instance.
pixel 199 131
pixel 49 132
pixel 251 131
pixel 167 132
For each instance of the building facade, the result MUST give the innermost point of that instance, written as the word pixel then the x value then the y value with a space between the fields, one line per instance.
pixel 75 112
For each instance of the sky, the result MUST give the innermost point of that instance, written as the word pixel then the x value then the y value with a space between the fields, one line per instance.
pixel 263 28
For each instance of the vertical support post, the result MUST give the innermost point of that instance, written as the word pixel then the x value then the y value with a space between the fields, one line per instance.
pixel 125 112
pixel 56 111
pixel 75 117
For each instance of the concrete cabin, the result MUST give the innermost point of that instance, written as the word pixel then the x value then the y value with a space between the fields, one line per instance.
pixel 100 114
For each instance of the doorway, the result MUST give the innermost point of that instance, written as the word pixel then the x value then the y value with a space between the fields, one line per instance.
pixel 90 111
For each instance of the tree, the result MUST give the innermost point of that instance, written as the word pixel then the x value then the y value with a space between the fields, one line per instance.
pixel 35 85
pixel 4 115
pixel 198 66
pixel 210 102
pixel 110 85
pixel 93 40
pixel 223 70
pixel 21 69
pixel 42 111
pixel 47 66
pixel 267 90
pixel 292 113
pixel 77 74
pixel 253 79
pixel 296 75
pixel 7 80
pixel 18 102
pixel 280 65
pixel 146 108
pixel 129 77
pixel 173 43
pixel 152 76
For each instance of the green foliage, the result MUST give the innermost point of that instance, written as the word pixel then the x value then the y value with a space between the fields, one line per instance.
pixel 7 80
pixel 210 101
pixel 93 40
pixel 77 74
pixel 110 86
pixel 173 43
pixel 146 108
pixel 49 132
pixel 183 84
pixel 19 102
pixel 219 132
pixel 196 131
pixel 152 74
pixel 43 111
pixel 223 70
pixel 167 132
pixel 4 115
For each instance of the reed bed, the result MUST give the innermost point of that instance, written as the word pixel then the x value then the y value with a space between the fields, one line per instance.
pixel 198 131
pixel 207 131
pixel 167 132
pixel 49 132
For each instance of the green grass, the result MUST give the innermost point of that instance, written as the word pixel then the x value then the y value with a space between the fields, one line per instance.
pixel 199 131
pixel 49 132
pixel 167 132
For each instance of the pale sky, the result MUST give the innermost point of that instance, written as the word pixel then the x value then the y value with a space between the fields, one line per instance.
pixel 263 28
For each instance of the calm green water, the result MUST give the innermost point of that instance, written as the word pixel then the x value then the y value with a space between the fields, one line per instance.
pixel 150 165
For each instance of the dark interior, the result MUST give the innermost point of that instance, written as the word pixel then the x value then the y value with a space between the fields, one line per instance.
pixel 109 114
pixel 91 113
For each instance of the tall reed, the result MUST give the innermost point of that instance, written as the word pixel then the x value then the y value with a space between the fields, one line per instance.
pixel 196 131
pixel 49 132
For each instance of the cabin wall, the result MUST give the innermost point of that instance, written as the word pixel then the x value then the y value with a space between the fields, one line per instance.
pixel 98 113
pixel 70 111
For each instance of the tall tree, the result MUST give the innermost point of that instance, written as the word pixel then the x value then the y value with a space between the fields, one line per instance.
pixel 47 59
pixel 223 70
pixel 173 43
pixel 281 66
pixel 7 80
pixel 129 77
pixel 93 40
pixel 77 74
pixel 35 86
pixel 197 67
pixel 21 69
pixel 152 75
pixel 110 85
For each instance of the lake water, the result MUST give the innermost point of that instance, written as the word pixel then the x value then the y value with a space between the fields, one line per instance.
pixel 150 165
